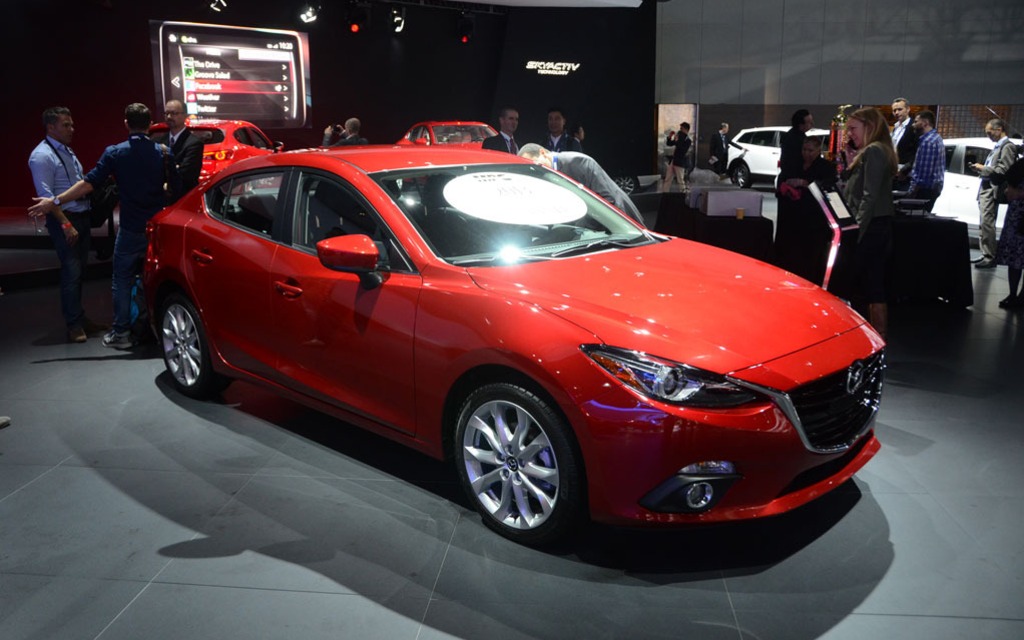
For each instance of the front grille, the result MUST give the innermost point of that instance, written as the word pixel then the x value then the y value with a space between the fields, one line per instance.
pixel 836 409
pixel 831 413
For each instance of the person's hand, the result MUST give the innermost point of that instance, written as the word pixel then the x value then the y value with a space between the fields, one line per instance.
pixel 329 129
pixel 41 207
pixel 70 234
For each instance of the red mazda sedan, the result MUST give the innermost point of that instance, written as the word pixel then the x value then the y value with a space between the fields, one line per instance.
pixel 224 142
pixel 448 133
pixel 570 363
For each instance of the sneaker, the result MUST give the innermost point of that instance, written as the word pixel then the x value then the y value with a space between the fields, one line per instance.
pixel 118 339
pixel 76 334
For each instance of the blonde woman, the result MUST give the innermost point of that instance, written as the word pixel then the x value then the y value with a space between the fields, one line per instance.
pixel 869 196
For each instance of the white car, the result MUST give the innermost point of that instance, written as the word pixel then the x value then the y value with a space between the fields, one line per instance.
pixel 959 197
pixel 755 153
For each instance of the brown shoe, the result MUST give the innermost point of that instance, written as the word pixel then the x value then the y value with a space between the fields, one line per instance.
pixel 94 328
pixel 76 334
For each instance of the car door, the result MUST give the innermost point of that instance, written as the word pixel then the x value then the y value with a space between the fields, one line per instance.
pixel 229 253
pixel 764 159
pixel 337 340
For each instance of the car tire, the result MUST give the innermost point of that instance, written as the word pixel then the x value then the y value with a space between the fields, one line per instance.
pixel 518 464
pixel 741 175
pixel 186 350
pixel 628 184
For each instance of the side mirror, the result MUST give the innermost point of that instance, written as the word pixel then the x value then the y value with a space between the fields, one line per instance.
pixel 278 146
pixel 421 141
pixel 352 254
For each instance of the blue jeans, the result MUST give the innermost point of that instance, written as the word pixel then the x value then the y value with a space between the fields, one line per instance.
pixel 73 259
pixel 129 251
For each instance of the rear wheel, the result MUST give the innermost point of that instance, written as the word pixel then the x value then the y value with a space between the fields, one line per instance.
pixel 741 175
pixel 186 351
pixel 517 464
pixel 629 184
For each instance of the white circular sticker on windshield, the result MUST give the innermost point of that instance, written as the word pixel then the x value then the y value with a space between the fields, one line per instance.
pixel 513 198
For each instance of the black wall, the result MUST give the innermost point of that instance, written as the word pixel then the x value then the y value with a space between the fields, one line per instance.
pixel 95 60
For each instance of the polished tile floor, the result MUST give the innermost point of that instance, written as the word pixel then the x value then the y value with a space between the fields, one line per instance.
pixel 128 511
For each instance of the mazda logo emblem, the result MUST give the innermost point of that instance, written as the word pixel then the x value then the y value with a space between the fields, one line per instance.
pixel 856 376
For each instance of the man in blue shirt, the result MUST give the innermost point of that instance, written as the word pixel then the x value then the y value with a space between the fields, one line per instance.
pixel 929 172
pixel 55 168
pixel 145 173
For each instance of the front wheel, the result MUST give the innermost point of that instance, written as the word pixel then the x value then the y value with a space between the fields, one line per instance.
pixel 518 464
pixel 186 351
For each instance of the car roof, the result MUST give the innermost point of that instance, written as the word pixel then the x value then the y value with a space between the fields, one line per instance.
pixel 810 132
pixel 374 158
pixel 975 142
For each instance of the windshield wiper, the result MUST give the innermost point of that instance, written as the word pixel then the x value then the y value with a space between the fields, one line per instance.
pixel 603 243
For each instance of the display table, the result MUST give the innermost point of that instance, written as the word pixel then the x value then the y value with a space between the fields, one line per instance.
pixel 931 259
pixel 749 236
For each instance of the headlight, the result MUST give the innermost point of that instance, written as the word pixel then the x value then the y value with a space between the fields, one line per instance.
pixel 669 381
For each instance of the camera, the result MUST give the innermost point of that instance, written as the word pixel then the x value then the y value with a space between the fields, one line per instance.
pixel 338 128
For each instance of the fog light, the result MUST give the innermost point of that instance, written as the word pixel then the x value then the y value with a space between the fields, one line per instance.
pixel 699 495
pixel 711 467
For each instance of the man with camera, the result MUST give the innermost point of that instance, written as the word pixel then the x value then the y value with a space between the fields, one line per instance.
pixel 347 136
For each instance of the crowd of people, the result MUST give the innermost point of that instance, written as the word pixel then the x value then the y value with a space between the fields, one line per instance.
pixel 149 173
pixel 909 159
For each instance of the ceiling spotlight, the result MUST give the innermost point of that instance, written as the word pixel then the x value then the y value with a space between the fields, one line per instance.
pixel 398 19
pixel 464 30
pixel 309 13
pixel 358 18
pixel 218 5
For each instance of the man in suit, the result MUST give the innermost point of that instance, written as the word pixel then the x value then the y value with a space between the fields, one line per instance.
pixel 558 139
pixel 508 121
pixel 904 138
pixel 720 149
pixel 585 170
pixel 348 137
pixel 998 163
pixel 186 148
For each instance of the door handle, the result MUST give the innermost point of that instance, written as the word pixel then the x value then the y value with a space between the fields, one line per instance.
pixel 201 256
pixel 287 290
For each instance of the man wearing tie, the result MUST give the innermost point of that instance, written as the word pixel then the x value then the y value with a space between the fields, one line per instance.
pixel 998 162
pixel 720 149
pixel 54 169
pixel 508 120
pixel 186 148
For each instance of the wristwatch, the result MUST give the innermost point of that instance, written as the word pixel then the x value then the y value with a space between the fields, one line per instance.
pixel 56 201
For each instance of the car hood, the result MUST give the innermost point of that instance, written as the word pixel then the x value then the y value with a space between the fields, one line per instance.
pixel 680 300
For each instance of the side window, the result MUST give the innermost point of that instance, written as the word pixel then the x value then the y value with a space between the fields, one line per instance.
pixel 242 135
pixel 975 154
pixel 326 209
pixel 247 201
pixel 420 133
pixel 763 138
pixel 258 139
pixel 950 150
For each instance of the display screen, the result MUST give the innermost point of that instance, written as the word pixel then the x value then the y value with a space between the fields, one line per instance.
pixel 233 73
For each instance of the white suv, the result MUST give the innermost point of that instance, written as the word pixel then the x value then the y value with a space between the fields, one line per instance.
pixel 755 153
pixel 959 197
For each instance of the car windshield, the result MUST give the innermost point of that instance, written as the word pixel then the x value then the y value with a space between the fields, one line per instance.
pixel 461 133
pixel 504 214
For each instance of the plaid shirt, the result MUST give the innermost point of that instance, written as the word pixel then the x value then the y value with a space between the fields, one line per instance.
pixel 930 163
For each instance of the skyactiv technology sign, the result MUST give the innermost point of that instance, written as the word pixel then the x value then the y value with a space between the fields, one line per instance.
pixel 552 68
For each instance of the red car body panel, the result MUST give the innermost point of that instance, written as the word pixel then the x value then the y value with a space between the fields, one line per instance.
pixel 388 358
